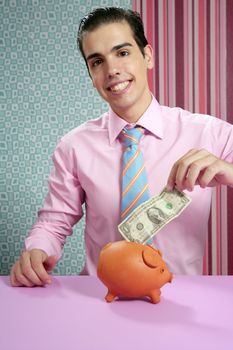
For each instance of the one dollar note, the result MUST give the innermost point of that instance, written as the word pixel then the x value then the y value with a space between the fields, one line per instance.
pixel 149 217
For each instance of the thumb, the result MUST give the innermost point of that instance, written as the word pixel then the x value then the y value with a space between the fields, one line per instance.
pixel 50 262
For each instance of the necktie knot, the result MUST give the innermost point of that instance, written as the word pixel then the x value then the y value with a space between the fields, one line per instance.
pixel 132 136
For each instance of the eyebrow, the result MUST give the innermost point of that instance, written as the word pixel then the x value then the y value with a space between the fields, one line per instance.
pixel 115 48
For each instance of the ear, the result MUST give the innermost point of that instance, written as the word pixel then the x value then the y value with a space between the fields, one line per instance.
pixel 150 257
pixel 149 56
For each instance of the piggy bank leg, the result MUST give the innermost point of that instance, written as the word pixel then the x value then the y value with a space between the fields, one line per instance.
pixel 155 296
pixel 110 296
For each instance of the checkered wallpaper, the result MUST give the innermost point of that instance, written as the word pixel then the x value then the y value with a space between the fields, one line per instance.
pixel 44 92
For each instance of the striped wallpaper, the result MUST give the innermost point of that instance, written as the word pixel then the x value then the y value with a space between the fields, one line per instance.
pixel 193 44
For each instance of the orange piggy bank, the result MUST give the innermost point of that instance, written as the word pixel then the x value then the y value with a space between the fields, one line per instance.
pixel 134 270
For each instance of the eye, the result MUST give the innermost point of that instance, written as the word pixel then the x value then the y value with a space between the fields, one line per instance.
pixel 124 53
pixel 96 62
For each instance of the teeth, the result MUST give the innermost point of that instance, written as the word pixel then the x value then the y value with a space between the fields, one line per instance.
pixel 120 86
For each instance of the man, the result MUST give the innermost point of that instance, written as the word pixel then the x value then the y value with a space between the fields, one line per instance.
pixel 189 151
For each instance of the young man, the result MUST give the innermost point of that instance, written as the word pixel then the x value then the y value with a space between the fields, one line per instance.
pixel 189 151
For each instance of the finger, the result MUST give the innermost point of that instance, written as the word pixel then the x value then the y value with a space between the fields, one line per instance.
pixel 207 178
pixel 201 172
pixel 37 261
pixel 13 279
pixel 28 270
pixel 50 263
pixel 20 278
pixel 179 170
pixel 189 167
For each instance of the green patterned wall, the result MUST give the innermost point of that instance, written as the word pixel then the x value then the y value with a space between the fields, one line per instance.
pixel 44 92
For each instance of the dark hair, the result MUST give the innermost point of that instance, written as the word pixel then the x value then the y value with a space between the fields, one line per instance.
pixel 106 15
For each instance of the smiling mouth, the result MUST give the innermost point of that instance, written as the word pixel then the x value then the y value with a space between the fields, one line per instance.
pixel 119 87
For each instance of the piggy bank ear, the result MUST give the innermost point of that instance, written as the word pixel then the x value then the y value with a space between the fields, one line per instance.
pixel 159 252
pixel 150 257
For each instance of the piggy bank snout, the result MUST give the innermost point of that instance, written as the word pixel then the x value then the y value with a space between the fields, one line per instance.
pixel 165 274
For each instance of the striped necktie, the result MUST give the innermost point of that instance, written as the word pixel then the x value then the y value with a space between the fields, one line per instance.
pixel 134 178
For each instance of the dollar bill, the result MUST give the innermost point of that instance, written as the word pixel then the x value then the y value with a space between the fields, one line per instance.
pixel 149 217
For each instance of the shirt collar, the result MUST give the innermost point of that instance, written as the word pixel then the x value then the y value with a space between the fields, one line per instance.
pixel 151 120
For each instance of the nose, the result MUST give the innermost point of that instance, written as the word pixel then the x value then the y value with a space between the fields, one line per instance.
pixel 113 68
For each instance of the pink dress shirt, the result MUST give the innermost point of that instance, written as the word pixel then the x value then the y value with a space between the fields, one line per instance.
pixel 87 171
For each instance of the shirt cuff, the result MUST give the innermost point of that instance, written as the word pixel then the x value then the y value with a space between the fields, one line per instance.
pixel 48 247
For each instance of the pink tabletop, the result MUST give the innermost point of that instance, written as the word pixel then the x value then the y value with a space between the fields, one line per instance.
pixel 195 312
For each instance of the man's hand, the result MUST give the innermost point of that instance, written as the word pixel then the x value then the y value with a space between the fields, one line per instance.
pixel 199 167
pixel 32 268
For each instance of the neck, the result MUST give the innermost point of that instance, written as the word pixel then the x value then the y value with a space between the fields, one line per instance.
pixel 133 114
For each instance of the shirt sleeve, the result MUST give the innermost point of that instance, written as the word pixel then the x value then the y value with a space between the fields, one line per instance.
pixel 222 136
pixel 62 207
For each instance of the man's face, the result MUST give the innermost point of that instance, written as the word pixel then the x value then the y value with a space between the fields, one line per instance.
pixel 118 69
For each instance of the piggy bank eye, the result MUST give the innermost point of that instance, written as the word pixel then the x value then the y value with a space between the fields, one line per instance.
pixel 162 270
